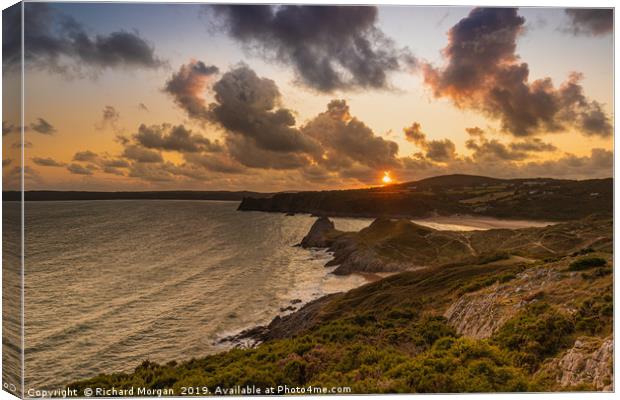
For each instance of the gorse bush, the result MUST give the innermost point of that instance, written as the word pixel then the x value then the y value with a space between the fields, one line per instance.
pixel 586 263
pixel 536 332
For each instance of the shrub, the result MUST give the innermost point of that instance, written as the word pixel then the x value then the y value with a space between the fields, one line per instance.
pixel 587 263
pixel 535 333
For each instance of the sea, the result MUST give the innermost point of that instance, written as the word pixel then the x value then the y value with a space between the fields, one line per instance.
pixel 109 284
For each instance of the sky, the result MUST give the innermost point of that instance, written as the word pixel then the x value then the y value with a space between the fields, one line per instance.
pixel 271 98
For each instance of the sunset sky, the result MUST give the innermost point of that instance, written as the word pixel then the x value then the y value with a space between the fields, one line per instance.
pixel 179 96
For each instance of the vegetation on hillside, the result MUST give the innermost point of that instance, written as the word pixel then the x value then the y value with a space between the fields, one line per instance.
pixel 391 337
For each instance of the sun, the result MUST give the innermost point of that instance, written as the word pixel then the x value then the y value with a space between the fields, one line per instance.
pixel 387 179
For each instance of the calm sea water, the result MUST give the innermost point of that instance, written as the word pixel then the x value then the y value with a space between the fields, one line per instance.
pixel 112 283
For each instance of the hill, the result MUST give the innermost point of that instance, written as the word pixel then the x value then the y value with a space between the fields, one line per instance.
pixel 534 199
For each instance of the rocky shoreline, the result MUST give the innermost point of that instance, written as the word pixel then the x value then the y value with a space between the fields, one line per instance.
pixel 282 326
pixel 352 255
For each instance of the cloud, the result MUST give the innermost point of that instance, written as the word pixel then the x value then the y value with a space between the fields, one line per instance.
pixel 414 133
pixel 142 155
pixel 109 117
pixel 490 157
pixel 59 43
pixel 533 145
pixel 484 73
pixel 143 107
pixel 345 139
pixel 86 156
pixel 47 162
pixel 246 105
pixel 188 86
pixel 174 138
pixel 18 145
pixel 43 127
pixel 113 171
pixel 115 163
pixel 491 149
pixel 436 150
pixel 329 47
pixel 215 162
pixel 590 21
pixel 7 128
pixel 78 169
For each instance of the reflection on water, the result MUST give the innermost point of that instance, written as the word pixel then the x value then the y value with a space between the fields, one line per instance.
pixel 11 296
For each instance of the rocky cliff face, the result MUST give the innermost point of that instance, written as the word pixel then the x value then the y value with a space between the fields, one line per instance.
pixel 588 362
pixel 321 234
pixel 481 313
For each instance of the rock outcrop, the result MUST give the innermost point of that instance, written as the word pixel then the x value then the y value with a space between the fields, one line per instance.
pixel 588 362
pixel 480 314
pixel 320 235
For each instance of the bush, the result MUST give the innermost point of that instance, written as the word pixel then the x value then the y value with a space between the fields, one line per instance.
pixel 587 263
pixel 594 315
pixel 535 333
pixel 459 366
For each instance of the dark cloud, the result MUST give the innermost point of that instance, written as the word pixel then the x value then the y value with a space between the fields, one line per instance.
pixel 330 47
pixel 113 171
pixel 142 155
pixel 43 127
pixel 483 72
pixel 485 150
pixel 215 162
pixel 245 151
pixel 246 105
pixel 437 150
pixel 78 169
pixel 109 117
pixel 491 149
pixel 85 156
pixel 51 38
pixel 115 163
pixel 143 107
pixel 414 133
pixel 533 145
pixel 47 162
pixel 174 138
pixel 9 128
pixel 188 86
pixel 18 145
pixel 345 139
pixel 590 21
